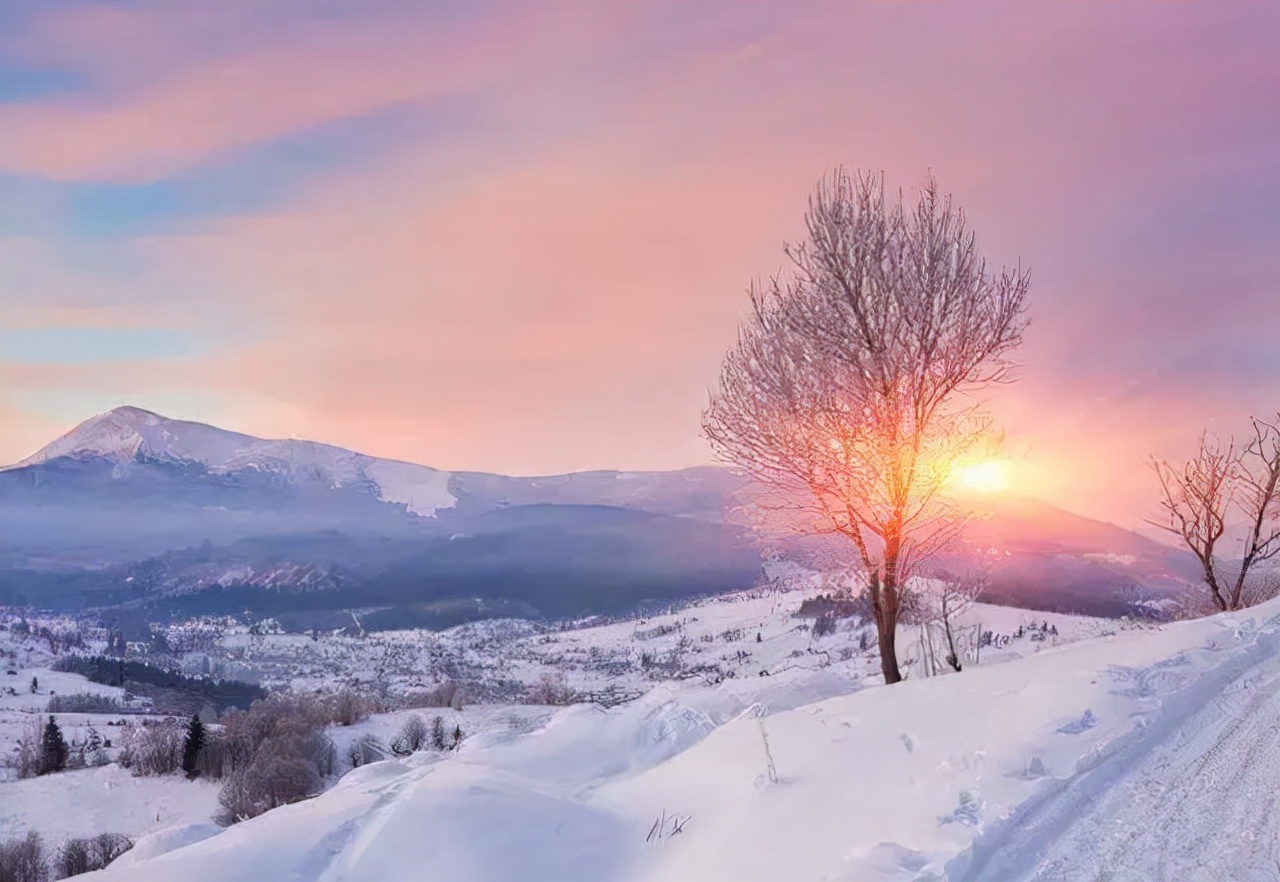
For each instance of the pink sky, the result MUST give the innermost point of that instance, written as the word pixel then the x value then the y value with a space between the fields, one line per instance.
pixel 517 237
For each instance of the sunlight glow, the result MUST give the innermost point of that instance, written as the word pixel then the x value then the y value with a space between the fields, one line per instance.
pixel 991 476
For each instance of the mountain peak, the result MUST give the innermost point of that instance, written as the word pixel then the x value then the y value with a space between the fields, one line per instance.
pixel 121 434
pixel 127 434
pixel 134 414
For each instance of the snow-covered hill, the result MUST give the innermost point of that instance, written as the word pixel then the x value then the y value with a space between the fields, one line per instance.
pixel 1147 754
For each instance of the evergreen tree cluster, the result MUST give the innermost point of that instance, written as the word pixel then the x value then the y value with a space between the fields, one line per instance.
pixel 163 687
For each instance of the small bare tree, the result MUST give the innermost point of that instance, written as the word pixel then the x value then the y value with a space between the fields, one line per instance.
pixel 1200 496
pixel 848 394
pixel 941 602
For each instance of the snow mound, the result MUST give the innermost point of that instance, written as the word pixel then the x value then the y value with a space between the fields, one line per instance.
pixel 161 842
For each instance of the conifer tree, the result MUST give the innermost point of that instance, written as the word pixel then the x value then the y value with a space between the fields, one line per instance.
pixel 53 749
pixel 192 746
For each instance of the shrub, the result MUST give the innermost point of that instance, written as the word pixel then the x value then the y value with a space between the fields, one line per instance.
pixel 412 737
pixel 273 754
pixel 551 689
pixel 153 748
pixel 86 855
pixel 22 859
pixel 437 734
pixel 348 707
pixel 279 775
pixel 27 755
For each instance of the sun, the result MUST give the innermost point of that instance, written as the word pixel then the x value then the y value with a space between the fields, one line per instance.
pixel 991 476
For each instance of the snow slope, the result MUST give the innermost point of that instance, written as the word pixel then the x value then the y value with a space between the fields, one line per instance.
pixel 1051 766
pixel 107 799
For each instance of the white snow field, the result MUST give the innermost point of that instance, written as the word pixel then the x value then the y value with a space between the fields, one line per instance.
pixel 108 799
pixel 1143 755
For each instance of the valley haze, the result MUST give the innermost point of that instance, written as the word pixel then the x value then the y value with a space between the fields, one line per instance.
pixel 156 518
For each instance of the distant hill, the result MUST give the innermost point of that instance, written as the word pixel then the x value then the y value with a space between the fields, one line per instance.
pixel 136 512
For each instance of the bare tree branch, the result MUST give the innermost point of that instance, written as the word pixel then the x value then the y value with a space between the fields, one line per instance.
pixel 1199 496
pixel 843 396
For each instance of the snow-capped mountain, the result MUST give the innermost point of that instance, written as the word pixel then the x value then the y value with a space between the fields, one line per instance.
pixel 133 507
pixel 129 434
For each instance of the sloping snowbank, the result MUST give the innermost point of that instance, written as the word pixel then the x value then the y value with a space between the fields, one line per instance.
pixel 881 784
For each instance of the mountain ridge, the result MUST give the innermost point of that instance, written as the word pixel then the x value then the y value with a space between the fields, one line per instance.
pixel 130 486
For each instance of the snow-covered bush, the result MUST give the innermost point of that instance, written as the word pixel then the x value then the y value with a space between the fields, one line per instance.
pixel 279 775
pixel 78 856
pixel 447 694
pixel 412 737
pixel 551 689
pixel 22 859
pixel 348 707
pixel 273 754
pixel 26 759
pixel 153 748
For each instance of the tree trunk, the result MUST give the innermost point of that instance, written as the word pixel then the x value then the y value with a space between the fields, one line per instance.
pixel 1211 580
pixel 888 650
pixel 953 658
pixel 884 602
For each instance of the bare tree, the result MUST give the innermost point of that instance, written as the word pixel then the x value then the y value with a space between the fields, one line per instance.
pixel 940 603
pixel 1200 496
pixel 849 393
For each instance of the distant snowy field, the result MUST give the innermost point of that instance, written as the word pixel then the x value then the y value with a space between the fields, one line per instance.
pixel 706 639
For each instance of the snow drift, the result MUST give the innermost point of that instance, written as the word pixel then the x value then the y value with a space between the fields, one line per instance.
pixel 1147 754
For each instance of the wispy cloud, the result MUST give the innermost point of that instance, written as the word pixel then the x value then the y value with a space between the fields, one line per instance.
pixel 516 237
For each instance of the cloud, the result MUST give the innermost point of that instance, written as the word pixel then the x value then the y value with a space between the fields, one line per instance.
pixel 537 263
pixel 248 91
